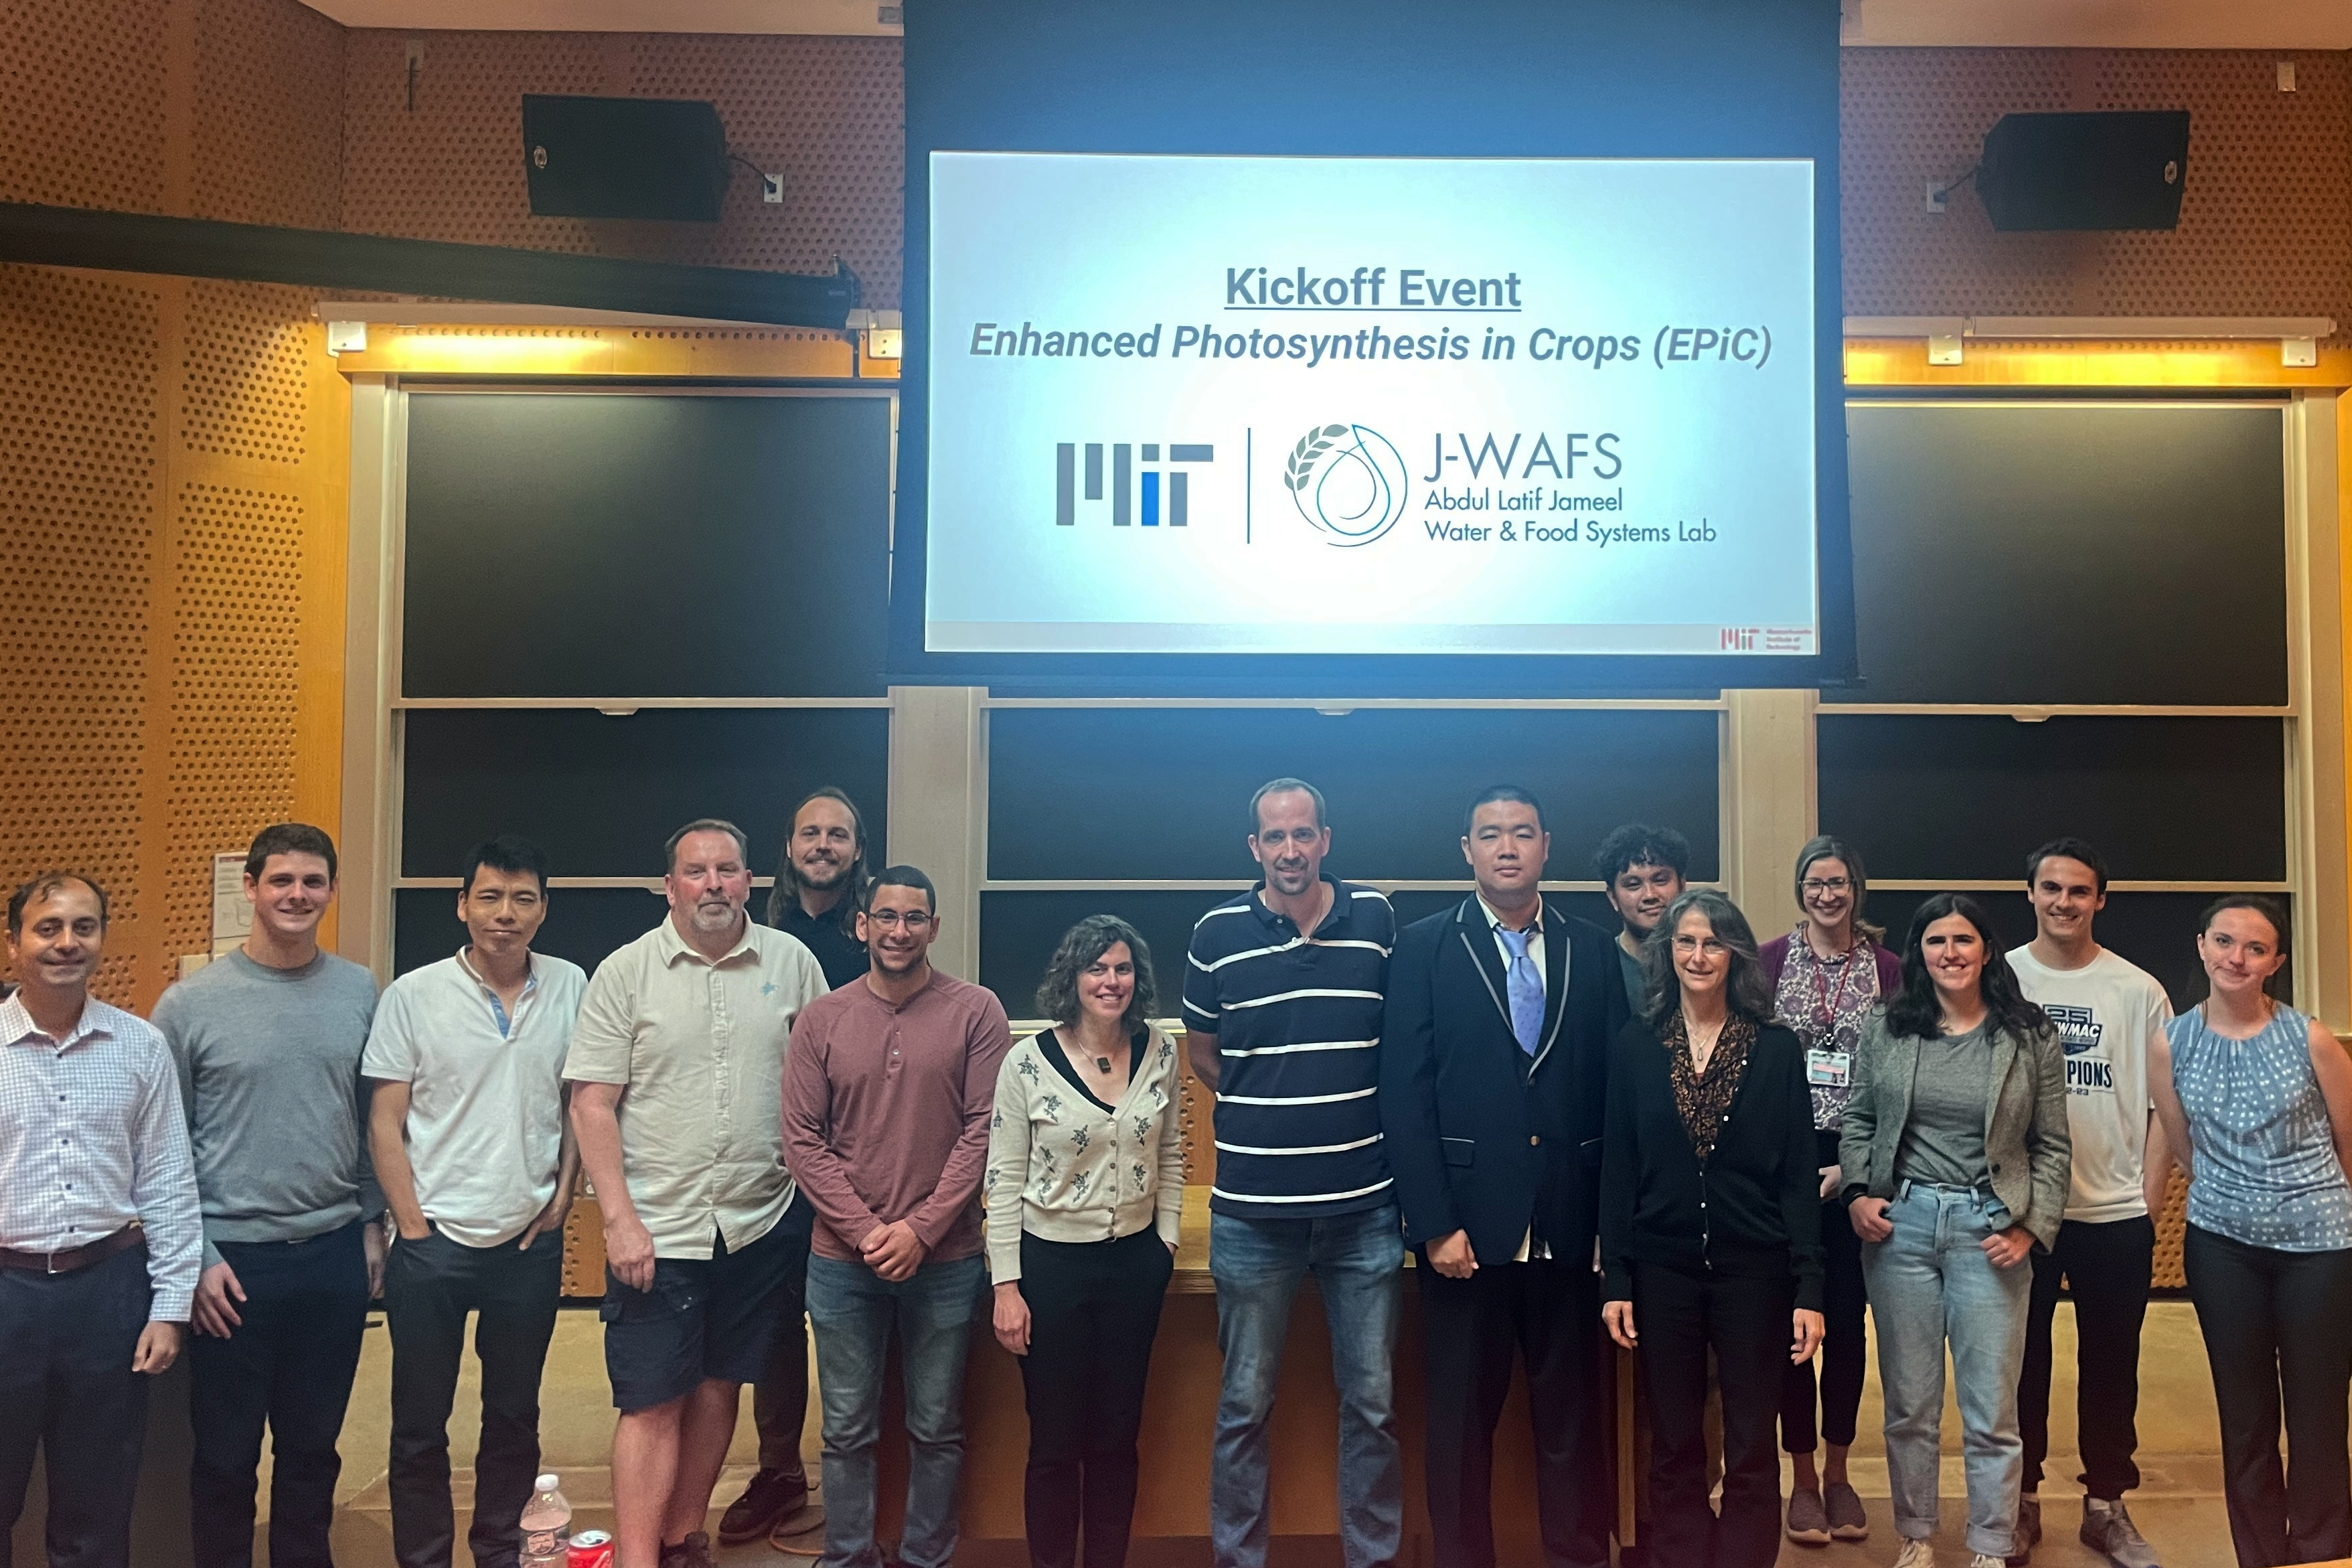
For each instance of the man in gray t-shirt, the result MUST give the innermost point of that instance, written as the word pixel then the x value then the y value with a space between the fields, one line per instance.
pixel 267 1040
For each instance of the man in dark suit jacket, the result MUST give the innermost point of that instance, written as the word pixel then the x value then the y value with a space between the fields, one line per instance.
pixel 1494 1063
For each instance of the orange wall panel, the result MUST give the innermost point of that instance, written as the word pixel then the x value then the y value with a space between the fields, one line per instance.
pixel 171 521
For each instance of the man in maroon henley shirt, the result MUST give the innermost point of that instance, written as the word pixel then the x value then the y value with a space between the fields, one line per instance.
pixel 888 1088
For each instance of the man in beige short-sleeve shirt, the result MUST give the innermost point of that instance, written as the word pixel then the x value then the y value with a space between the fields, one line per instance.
pixel 678 1056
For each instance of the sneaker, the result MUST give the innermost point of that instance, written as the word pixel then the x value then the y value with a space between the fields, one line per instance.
pixel 1918 1554
pixel 1984 1560
pixel 1847 1521
pixel 694 1552
pixel 1809 1521
pixel 2107 1527
pixel 771 1499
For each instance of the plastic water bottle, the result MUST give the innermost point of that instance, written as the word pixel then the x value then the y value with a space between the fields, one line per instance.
pixel 546 1526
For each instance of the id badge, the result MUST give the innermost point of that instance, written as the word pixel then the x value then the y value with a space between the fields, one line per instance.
pixel 1829 1069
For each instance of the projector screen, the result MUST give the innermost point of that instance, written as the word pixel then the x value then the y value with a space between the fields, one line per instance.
pixel 1241 405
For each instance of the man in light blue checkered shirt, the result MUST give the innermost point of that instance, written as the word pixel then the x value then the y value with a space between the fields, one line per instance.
pixel 99 1233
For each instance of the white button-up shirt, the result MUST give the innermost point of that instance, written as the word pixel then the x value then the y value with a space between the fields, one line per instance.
pixel 485 1092
pixel 700 1047
pixel 91 1140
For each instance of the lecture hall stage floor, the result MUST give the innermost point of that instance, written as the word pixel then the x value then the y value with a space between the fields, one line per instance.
pixel 2178 1506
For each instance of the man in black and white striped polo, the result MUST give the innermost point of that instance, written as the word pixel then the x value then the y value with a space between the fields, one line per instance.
pixel 1283 1001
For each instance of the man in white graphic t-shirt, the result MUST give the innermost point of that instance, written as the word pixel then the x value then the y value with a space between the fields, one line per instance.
pixel 2106 1011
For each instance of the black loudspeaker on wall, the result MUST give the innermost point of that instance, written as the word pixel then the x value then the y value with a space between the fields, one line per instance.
pixel 2109 171
pixel 623 157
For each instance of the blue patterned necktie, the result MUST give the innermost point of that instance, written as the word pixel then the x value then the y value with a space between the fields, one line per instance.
pixel 1525 988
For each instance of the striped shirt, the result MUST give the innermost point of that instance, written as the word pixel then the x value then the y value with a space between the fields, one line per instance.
pixel 1297 1025
pixel 91 1140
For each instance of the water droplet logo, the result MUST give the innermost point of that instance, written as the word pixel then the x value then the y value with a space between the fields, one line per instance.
pixel 1348 482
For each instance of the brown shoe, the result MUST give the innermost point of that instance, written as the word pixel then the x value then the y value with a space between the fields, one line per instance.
pixel 771 1498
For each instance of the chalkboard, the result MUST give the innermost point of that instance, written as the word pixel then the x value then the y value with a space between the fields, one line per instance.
pixel 1163 794
pixel 669 544
pixel 2069 551
pixel 2164 799
pixel 603 796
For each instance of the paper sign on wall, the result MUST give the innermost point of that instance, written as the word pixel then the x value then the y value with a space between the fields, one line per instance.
pixel 232 916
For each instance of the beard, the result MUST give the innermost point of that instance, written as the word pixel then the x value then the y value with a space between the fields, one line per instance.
pixel 823 876
pixel 713 917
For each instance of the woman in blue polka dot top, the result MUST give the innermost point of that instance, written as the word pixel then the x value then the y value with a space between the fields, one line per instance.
pixel 2259 1097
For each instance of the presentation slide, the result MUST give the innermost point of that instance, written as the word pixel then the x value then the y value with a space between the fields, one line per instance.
pixel 1370 406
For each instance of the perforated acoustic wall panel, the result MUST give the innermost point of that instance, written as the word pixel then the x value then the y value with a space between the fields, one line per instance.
pixel 244 371
pixel 268 148
pixel 2266 225
pixel 446 161
pixel 2266 217
pixel 826 113
pixel 236 571
pixel 172 465
pixel 79 459
pixel 82 102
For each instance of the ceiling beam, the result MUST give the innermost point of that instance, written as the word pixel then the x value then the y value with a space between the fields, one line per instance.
pixel 321 259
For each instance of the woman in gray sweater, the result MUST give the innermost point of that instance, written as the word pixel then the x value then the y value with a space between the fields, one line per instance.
pixel 1956 1162
pixel 1085 1190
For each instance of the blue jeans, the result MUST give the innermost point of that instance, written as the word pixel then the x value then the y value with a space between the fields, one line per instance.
pixel 1929 1282
pixel 1257 1265
pixel 853 1311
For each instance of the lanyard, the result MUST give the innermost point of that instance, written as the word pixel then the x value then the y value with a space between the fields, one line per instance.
pixel 1828 999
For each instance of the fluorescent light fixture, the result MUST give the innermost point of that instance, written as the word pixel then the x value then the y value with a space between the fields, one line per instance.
pixel 415 312
pixel 2297 336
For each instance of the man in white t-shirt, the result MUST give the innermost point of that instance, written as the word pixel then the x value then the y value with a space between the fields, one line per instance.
pixel 476 1162
pixel 2106 1011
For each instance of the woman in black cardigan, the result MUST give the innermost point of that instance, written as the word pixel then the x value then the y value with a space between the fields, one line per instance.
pixel 1710 1226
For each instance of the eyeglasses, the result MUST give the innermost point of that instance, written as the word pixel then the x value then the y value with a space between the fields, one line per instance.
pixel 1709 945
pixel 890 919
pixel 1813 885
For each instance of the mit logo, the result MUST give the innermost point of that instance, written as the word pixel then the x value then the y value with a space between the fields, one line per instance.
pixel 1124 482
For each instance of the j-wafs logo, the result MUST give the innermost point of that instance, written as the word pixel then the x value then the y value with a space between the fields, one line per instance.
pixel 1348 482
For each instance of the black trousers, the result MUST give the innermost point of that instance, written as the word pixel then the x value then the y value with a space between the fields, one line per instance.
pixel 288 1366
pixel 1094 1309
pixel 67 1387
pixel 1845 1348
pixel 1547 1312
pixel 429 1287
pixel 1746 1323
pixel 2106 1269
pixel 780 1399
pixel 2278 1328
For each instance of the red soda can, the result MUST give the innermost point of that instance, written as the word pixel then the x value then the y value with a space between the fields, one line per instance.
pixel 590 1549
